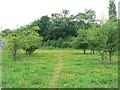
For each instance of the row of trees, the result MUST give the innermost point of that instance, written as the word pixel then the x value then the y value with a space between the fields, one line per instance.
pixel 81 31
pixel 102 39
pixel 25 38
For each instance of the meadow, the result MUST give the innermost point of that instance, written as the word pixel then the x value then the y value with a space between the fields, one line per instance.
pixel 58 68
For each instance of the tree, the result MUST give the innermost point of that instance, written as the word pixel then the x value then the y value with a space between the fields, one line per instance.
pixel 107 34
pixel 62 25
pixel 112 34
pixel 101 38
pixel 112 9
pixel 85 19
pixel 43 24
pixel 14 43
pixel 107 38
pixel 30 41
pixel 92 34
pixel 81 41
pixel 112 28
pixel 90 16
pixel 6 32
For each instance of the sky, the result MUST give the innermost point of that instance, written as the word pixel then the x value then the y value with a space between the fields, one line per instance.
pixel 15 13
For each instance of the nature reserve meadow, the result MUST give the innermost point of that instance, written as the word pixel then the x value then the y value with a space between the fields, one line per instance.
pixel 62 50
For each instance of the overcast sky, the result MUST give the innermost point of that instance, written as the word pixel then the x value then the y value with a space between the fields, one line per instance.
pixel 22 12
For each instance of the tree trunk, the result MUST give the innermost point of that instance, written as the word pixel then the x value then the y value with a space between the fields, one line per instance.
pixel 26 52
pixel 84 51
pixel 102 57
pixel 93 51
pixel 110 55
pixel 29 53
pixel 14 51
pixel 14 55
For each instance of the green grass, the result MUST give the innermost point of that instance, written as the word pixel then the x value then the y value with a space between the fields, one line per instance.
pixel 77 71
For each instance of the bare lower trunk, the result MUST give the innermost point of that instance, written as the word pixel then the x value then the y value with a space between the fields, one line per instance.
pixel 110 56
pixel 30 53
pixel 14 55
pixel 102 57
pixel 93 51
pixel 84 51
pixel 26 52
pixel 14 51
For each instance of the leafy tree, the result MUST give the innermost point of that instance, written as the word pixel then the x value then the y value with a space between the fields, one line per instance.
pixel 92 34
pixel 112 34
pixel 107 34
pixel 43 24
pixel 62 26
pixel 102 42
pixel 14 43
pixel 107 38
pixel 91 15
pixel 6 32
pixel 112 9
pixel 31 41
pixel 81 41
pixel 85 19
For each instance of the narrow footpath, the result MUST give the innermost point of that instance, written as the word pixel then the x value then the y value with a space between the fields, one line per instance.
pixel 54 80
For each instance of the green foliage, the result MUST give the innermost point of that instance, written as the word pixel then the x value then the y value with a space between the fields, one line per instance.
pixel 85 19
pixel 112 34
pixel 14 43
pixel 43 24
pixel 92 34
pixel 30 41
pixel 112 42
pixel 26 38
pixel 60 25
pixel 90 15
pixel 63 30
pixel 112 10
pixel 6 32
pixel 74 69
pixel 81 41
pixel 107 37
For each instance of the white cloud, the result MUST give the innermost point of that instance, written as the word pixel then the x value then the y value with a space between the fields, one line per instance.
pixel 23 12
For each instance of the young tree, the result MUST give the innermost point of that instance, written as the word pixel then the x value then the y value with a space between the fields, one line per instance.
pixel 107 38
pixel 111 28
pixel 92 34
pixel 31 41
pixel 81 41
pixel 102 43
pixel 14 43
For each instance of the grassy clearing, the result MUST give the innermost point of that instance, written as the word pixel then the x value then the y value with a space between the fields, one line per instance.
pixel 78 70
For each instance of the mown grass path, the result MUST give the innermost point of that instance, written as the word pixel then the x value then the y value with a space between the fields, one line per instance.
pixel 54 80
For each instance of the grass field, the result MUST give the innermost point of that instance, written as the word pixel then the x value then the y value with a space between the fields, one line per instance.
pixel 59 68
